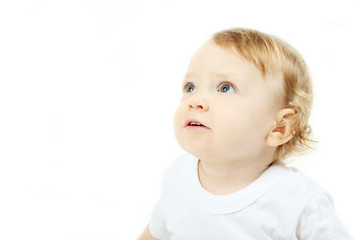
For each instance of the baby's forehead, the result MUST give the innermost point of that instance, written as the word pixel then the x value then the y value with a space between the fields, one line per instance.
pixel 227 60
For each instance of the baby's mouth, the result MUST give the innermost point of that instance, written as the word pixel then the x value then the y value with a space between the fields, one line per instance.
pixel 195 124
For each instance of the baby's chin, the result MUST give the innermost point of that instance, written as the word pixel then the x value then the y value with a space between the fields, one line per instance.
pixel 200 152
pixel 193 149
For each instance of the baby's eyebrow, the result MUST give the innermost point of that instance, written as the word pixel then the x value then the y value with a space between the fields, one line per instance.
pixel 222 75
pixel 231 76
pixel 226 76
pixel 189 75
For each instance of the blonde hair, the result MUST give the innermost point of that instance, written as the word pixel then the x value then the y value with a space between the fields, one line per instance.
pixel 270 54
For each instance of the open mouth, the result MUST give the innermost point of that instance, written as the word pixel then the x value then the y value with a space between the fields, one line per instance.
pixel 194 124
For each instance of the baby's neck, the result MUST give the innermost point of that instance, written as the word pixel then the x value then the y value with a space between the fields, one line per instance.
pixel 226 178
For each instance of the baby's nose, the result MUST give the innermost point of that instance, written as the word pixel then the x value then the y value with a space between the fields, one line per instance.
pixel 198 103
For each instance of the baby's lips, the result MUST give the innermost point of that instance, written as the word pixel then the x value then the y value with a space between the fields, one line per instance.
pixel 195 121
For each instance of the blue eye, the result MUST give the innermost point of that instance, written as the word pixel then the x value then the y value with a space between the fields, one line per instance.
pixel 190 88
pixel 226 88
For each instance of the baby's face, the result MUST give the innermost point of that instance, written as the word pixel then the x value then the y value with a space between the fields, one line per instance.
pixel 227 108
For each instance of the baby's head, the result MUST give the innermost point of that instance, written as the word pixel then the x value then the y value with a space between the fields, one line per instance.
pixel 251 95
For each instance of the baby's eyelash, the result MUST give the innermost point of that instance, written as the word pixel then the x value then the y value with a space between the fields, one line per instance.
pixel 231 84
pixel 185 86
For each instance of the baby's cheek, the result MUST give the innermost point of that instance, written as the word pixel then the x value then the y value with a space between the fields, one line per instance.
pixel 176 123
pixel 177 115
pixel 239 131
pixel 179 120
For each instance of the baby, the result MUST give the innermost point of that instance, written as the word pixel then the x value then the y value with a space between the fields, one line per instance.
pixel 245 107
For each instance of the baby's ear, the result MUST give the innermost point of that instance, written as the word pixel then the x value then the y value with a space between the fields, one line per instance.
pixel 282 130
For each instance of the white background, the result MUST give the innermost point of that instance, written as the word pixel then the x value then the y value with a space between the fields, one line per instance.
pixel 88 90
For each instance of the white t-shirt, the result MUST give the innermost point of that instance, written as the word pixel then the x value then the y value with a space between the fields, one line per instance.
pixel 281 204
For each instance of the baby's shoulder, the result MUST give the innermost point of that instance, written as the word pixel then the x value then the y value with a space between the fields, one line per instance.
pixel 304 183
pixel 296 187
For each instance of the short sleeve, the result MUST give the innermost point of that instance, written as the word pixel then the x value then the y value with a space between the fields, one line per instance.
pixel 157 225
pixel 319 221
pixel 169 196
